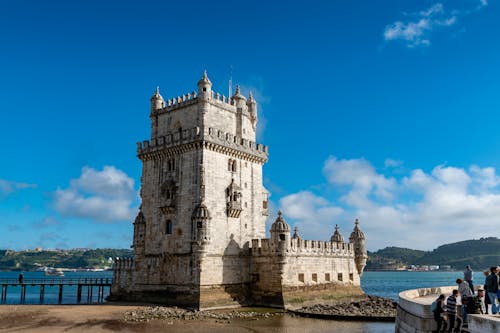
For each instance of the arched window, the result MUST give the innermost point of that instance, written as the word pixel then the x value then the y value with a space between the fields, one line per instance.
pixel 168 227
pixel 233 166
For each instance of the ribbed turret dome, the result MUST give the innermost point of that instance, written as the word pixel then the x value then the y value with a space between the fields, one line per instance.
pixel 238 95
pixel 157 95
pixel 280 224
pixel 337 236
pixel 201 212
pixel 140 218
pixel 251 100
pixel 356 234
pixel 204 79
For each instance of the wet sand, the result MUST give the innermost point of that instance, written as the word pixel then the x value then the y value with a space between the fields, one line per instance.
pixel 110 318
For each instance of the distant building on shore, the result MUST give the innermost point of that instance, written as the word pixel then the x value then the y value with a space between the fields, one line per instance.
pixel 199 237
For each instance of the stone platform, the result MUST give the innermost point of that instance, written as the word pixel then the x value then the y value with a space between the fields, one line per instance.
pixel 414 313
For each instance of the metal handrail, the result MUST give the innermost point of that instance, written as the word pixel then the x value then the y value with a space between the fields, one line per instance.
pixel 64 281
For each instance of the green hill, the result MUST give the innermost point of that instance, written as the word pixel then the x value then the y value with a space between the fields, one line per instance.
pixel 31 260
pixel 392 258
pixel 480 254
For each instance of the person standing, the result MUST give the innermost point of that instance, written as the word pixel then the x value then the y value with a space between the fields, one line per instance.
pixel 469 276
pixel 439 314
pixel 491 286
pixel 465 294
pixel 451 310
pixel 486 298
pixel 21 278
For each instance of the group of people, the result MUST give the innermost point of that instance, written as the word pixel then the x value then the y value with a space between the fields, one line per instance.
pixel 450 313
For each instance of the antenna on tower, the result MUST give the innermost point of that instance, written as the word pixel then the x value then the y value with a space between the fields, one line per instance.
pixel 230 81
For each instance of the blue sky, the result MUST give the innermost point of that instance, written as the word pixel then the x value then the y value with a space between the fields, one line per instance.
pixel 386 111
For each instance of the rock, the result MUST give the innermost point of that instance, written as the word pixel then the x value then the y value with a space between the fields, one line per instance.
pixel 168 313
pixel 371 306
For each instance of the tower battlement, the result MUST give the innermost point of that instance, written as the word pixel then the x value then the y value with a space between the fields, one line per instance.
pixel 181 101
pixel 211 137
pixel 264 247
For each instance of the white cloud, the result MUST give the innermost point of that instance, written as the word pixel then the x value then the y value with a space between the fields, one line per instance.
pixel 7 187
pixel 419 210
pixel 391 163
pixel 104 196
pixel 361 176
pixel 433 10
pixel 416 31
pixel 311 214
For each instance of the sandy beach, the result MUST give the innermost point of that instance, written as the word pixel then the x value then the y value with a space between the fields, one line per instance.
pixel 87 318
pixel 110 318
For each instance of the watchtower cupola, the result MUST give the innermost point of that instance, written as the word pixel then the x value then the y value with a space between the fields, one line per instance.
pixel 337 236
pixel 139 234
pixel 239 100
pixel 358 239
pixel 252 109
pixel 280 232
pixel 296 234
pixel 200 219
pixel 157 101
pixel 205 87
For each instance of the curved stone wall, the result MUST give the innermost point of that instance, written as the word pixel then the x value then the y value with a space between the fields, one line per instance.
pixel 414 313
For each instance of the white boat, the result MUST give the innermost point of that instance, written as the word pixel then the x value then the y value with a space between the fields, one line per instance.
pixel 53 272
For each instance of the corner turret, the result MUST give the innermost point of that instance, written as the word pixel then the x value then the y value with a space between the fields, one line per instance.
pixel 296 233
pixel 200 219
pixel 157 101
pixel 205 87
pixel 358 239
pixel 337 236
pixel 280 233
pixel 238 99
pixel 252 109
pixel 139 234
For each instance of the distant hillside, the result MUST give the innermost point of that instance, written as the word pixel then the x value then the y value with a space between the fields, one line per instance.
pixel 31 260
pixel 392 258
pixel 480 254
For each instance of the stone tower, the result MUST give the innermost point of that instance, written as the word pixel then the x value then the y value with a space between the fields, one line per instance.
pixel 202 198
pixel 199 236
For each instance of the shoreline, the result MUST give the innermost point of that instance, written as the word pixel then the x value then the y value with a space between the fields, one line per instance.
pixel 111 318
pixel 133 317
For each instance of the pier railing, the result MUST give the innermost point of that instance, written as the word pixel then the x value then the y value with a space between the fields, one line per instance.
pixel 80 283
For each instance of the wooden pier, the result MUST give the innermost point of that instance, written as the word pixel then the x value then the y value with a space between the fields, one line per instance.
pixel 83 284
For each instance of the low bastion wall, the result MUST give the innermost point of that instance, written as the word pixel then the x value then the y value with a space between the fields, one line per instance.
pixel 414 313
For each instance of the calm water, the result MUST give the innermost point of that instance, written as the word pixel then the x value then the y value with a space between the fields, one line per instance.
pixel 390 284
pixel 385 284
pixel 51 293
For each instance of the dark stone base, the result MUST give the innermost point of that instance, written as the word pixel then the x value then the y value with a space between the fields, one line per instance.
pixel 331 293
pixel 238 295
pixel 186 297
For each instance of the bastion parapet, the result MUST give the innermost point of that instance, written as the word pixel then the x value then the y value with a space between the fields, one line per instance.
pixel 414 313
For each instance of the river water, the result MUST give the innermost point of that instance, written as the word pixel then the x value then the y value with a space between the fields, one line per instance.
pixel 385 284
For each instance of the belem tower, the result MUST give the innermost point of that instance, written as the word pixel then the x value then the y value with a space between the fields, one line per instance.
pixel 200 238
